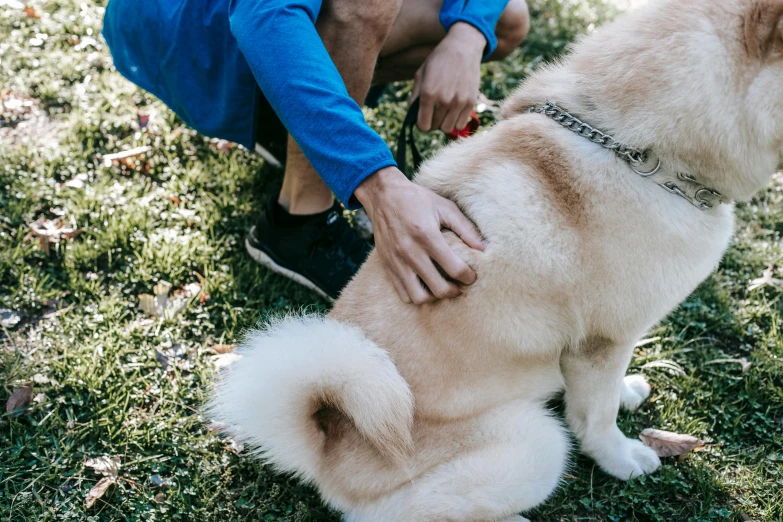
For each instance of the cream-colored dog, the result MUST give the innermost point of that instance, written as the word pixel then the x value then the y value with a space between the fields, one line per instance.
pixel 436 413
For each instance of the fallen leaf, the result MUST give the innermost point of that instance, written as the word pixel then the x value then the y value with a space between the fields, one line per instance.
pixel 163 305
pixel 98 490
pixel 221 145
pixel 124 156
pixel 105 465
pixel 669 444
pixel 225 359
pixel 224 348
pixel 31 12
pixel 40 378
pixel 147 304
pixel 77 181
pixel 50 231
pixel 160 497
pixel 175 199
pixel 19 400
pixel 9 318
pixel 766 279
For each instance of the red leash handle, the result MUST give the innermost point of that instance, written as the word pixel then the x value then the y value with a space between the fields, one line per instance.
pixel 469 129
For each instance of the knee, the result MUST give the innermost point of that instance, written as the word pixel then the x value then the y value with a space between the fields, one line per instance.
pixel 373 19
pixel 512 28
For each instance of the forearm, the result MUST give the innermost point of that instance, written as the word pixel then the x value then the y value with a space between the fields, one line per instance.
pixel 483 15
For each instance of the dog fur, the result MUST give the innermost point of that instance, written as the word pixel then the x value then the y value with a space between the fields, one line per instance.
pixel 436 413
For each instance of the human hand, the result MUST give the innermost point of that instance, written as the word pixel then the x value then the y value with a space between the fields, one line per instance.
pixel 407 220
pixel 447 83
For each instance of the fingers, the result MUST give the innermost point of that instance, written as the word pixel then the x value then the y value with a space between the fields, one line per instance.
pixel 450 121
pixel 451 263
pixel 438 286
pixel 426 110
pixel 464 118
pixel 418 294
pixel 452 218
pixel 399 287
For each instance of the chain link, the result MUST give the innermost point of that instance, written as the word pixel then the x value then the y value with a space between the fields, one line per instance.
pixel 690 189
pixel 630 154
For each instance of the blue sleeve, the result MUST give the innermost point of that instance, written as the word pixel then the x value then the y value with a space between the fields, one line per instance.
pixel 481 14
pixel 296 74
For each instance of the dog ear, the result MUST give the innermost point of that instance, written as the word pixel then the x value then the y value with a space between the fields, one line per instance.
pixel 764 29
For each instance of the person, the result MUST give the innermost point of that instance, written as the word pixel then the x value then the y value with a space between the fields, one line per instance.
pixel 245 70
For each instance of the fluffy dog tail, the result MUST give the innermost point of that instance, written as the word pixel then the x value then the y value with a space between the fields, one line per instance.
pixel 295 376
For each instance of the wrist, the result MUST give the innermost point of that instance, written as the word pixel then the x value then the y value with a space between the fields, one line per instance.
pixel 372 189
pixel 467 35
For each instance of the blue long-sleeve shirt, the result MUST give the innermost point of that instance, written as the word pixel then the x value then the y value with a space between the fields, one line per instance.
pixel 204 59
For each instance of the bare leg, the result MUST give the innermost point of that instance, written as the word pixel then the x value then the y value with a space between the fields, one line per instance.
pixel 353 33
pixel 594 384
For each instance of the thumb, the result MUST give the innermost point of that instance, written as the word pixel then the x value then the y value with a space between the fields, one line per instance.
pixel 453 219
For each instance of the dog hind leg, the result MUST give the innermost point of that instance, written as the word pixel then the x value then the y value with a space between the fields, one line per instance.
pixel 515 466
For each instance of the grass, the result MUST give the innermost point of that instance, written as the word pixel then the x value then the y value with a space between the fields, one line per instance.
pixel 109 381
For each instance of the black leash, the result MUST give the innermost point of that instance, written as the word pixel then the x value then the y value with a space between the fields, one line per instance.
pixel 406 139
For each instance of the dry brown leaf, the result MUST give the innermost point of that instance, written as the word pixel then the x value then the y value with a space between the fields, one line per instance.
pixel 106 466
pixel 50 231
pixel 123 157
pixel 31 12
pixel 766 279
pixel 221 145
pixel 225 359
pixel 669 444
pixel 98 490
pixel 224 348
pixel 19 400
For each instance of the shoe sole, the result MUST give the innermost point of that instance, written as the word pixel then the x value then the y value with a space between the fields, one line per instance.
pixel 261 257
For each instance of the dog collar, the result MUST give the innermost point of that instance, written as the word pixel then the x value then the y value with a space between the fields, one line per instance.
pixel 683 184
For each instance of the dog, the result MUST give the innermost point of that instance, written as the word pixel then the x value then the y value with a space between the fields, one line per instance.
pixel 605 196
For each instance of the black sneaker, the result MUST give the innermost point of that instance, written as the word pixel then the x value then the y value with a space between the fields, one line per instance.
pixel 322 254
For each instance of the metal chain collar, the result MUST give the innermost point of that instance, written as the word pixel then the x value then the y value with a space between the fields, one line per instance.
pixel 701 196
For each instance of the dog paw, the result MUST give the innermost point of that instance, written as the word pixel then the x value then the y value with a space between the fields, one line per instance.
pixel 630 458
pixel 634 392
